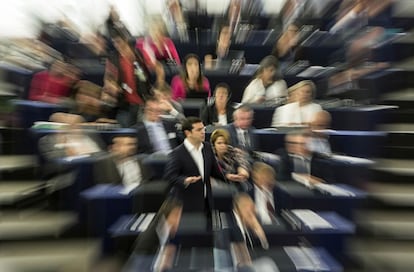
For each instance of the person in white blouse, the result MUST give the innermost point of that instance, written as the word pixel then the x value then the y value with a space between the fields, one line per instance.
pixel 301 110
pixel 267 87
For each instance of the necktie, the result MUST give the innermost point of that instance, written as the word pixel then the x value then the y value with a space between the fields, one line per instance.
pixel 246 139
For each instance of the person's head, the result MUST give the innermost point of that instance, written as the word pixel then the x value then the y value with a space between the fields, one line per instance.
pixel 124 146
pixel 152 110
pixel 163 91
pixel 220 139
pixel 157 29
pixel 296 142
pixel 268 69
pixel 303 91
pixel 243 117
pixel 321 120
pixel 120 40
pixel 194 130
pixel 224 36
pixel 244 206
pixel 222 94
pixel 192 67
pixel 264 176
pixel 171 210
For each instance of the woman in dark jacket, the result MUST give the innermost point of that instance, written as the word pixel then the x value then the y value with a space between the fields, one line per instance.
pixel 219 112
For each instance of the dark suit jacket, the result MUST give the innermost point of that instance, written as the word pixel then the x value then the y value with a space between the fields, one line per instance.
pixel 319 167
pixel 181 165
pixel 209 114
pixel 235 140
pixel 105 171
pixel 144 142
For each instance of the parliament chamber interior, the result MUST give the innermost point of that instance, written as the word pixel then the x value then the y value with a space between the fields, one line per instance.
pixel 195 135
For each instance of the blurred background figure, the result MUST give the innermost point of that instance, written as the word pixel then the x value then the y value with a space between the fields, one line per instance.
pixel 156 135
pixel 88 101
pixel 267 87
pixel 247 227
pixel 241 130
pixel 175 20
pixel 297 161
pixel 286 46
pixel 232 161
pixel 126 81
pixel 126 167
pixel 55 84
pixel 319 138
pixel 171 108
pixel 218 112
pixel 155 248
pixel 158 49
pixel 191 83
pixel 113 24
pixel 220 50
pixel 264 180
pixel 301 111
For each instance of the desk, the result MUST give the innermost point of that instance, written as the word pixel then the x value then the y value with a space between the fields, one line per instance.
pixel 293 195
pixel 194 232
pixel 104 204
pixel 32 111
pixel 105 135
pixel 353 143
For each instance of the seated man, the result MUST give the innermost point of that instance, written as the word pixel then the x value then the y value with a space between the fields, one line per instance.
pixel 319 140
pixel 264 179
pixel 125 168
pixel 299 163
pixel 154 134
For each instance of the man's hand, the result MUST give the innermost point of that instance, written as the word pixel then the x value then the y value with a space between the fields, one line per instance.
pixel 190 180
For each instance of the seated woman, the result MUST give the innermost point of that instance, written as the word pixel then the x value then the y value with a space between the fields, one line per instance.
pixel 267 87
pixel 191 82
pixel 220 112
pixel 231 160
pixel 159 51
pixel 301 110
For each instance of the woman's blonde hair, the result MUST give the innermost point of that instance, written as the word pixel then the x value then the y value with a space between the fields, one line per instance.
pixel 220 132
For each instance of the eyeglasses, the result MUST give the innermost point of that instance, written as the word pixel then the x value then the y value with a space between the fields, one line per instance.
pixel 298 143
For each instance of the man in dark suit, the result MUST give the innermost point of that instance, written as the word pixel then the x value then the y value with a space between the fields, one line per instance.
pixel 190 166
pixel 241 130
pixel 154 134
pixel 298 159
pixel 126 167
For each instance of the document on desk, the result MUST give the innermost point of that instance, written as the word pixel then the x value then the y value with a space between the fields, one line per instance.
pixel 145 223
pixel 128 188
pixel 352 160
pixel 333 190
pixel 305 259
pixel 311 219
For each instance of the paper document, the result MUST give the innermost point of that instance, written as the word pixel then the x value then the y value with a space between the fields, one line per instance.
pixel 145 223
pixel 135 225
pixel 302 178
pixel 305 259
pixel 311 219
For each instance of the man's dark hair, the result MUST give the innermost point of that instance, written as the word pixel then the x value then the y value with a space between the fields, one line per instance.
pixel 188 123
